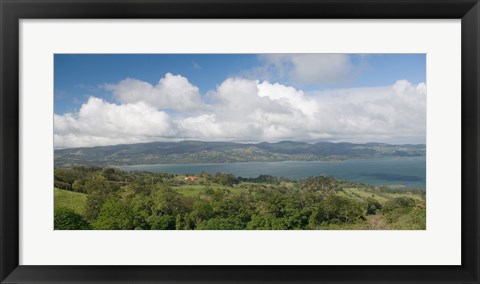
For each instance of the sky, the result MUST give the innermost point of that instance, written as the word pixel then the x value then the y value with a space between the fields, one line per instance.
pixel 110 99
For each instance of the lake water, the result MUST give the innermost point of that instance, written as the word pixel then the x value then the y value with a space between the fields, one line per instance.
pixel 408 172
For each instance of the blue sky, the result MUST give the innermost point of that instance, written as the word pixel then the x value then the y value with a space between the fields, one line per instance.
pixel 79 76
pixel 106 99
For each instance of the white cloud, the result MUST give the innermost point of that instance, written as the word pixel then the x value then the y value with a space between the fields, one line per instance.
pixel 309 68
pixel 102 123
pixel 172 92
pixel 248 111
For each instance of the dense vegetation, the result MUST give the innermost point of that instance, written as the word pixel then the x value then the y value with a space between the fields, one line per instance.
pixel 110 199
pixel 189 152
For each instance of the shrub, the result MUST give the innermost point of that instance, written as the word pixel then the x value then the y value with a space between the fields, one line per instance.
pixel 114 215
pixel 221 224
pixel 67 219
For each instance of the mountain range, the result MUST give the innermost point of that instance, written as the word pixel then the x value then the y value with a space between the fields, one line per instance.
pixel 190 152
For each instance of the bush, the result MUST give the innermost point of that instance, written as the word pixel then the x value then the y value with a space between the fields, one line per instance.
pixel 336 209
pixel 114 215
pixel 400 202
pixel 266 223
pixel 221 224
pixel 62 185
pixel 372 206
pixel 67 219
pixel 163 222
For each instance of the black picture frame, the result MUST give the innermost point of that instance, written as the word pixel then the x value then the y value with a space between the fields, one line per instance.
pixel 12 11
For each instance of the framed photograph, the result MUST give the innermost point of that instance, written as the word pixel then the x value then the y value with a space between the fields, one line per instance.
pixel 239 142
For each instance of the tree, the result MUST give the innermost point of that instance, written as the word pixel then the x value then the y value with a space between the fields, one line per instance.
pixel 65 175
pixel 266 222
pixel 372 206
pixel 336 209
pixel 201 211
pixel 163 222
pixel 62 185
pixel 323 186
pixel 166 201
pixel 97 184
pixel 93 205
pixel 67 219
pixel 221 224
pixel 78 185
pixel 166 205
pixel 225 179
pixel 141 206
pixel 114 215
pixel 399 202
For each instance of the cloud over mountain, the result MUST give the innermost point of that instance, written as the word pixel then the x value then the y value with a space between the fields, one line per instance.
pixel 171 92
pixel 244 110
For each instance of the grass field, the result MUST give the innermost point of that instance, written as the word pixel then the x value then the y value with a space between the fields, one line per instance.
pixel 363 195
pixel 193 190
pixel 359 194
pixel 189 190
pixel 382 197
pixel 76 201
pixel 71 200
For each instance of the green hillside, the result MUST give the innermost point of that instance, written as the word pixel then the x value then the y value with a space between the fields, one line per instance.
pixel 189 152
pixel 111 199
pixel 71 200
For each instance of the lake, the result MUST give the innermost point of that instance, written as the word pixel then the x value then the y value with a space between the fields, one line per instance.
pixel 407 172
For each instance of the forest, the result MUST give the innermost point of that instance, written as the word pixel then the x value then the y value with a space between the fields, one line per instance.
pixel 99 198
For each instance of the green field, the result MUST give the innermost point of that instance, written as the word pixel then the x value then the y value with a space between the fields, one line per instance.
pixel 70 200
pixel 381 197
pixel 189 190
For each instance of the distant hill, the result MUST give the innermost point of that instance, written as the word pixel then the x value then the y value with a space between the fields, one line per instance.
pixel 186 152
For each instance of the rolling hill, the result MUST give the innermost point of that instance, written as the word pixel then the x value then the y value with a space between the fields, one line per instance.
pixel 184 152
